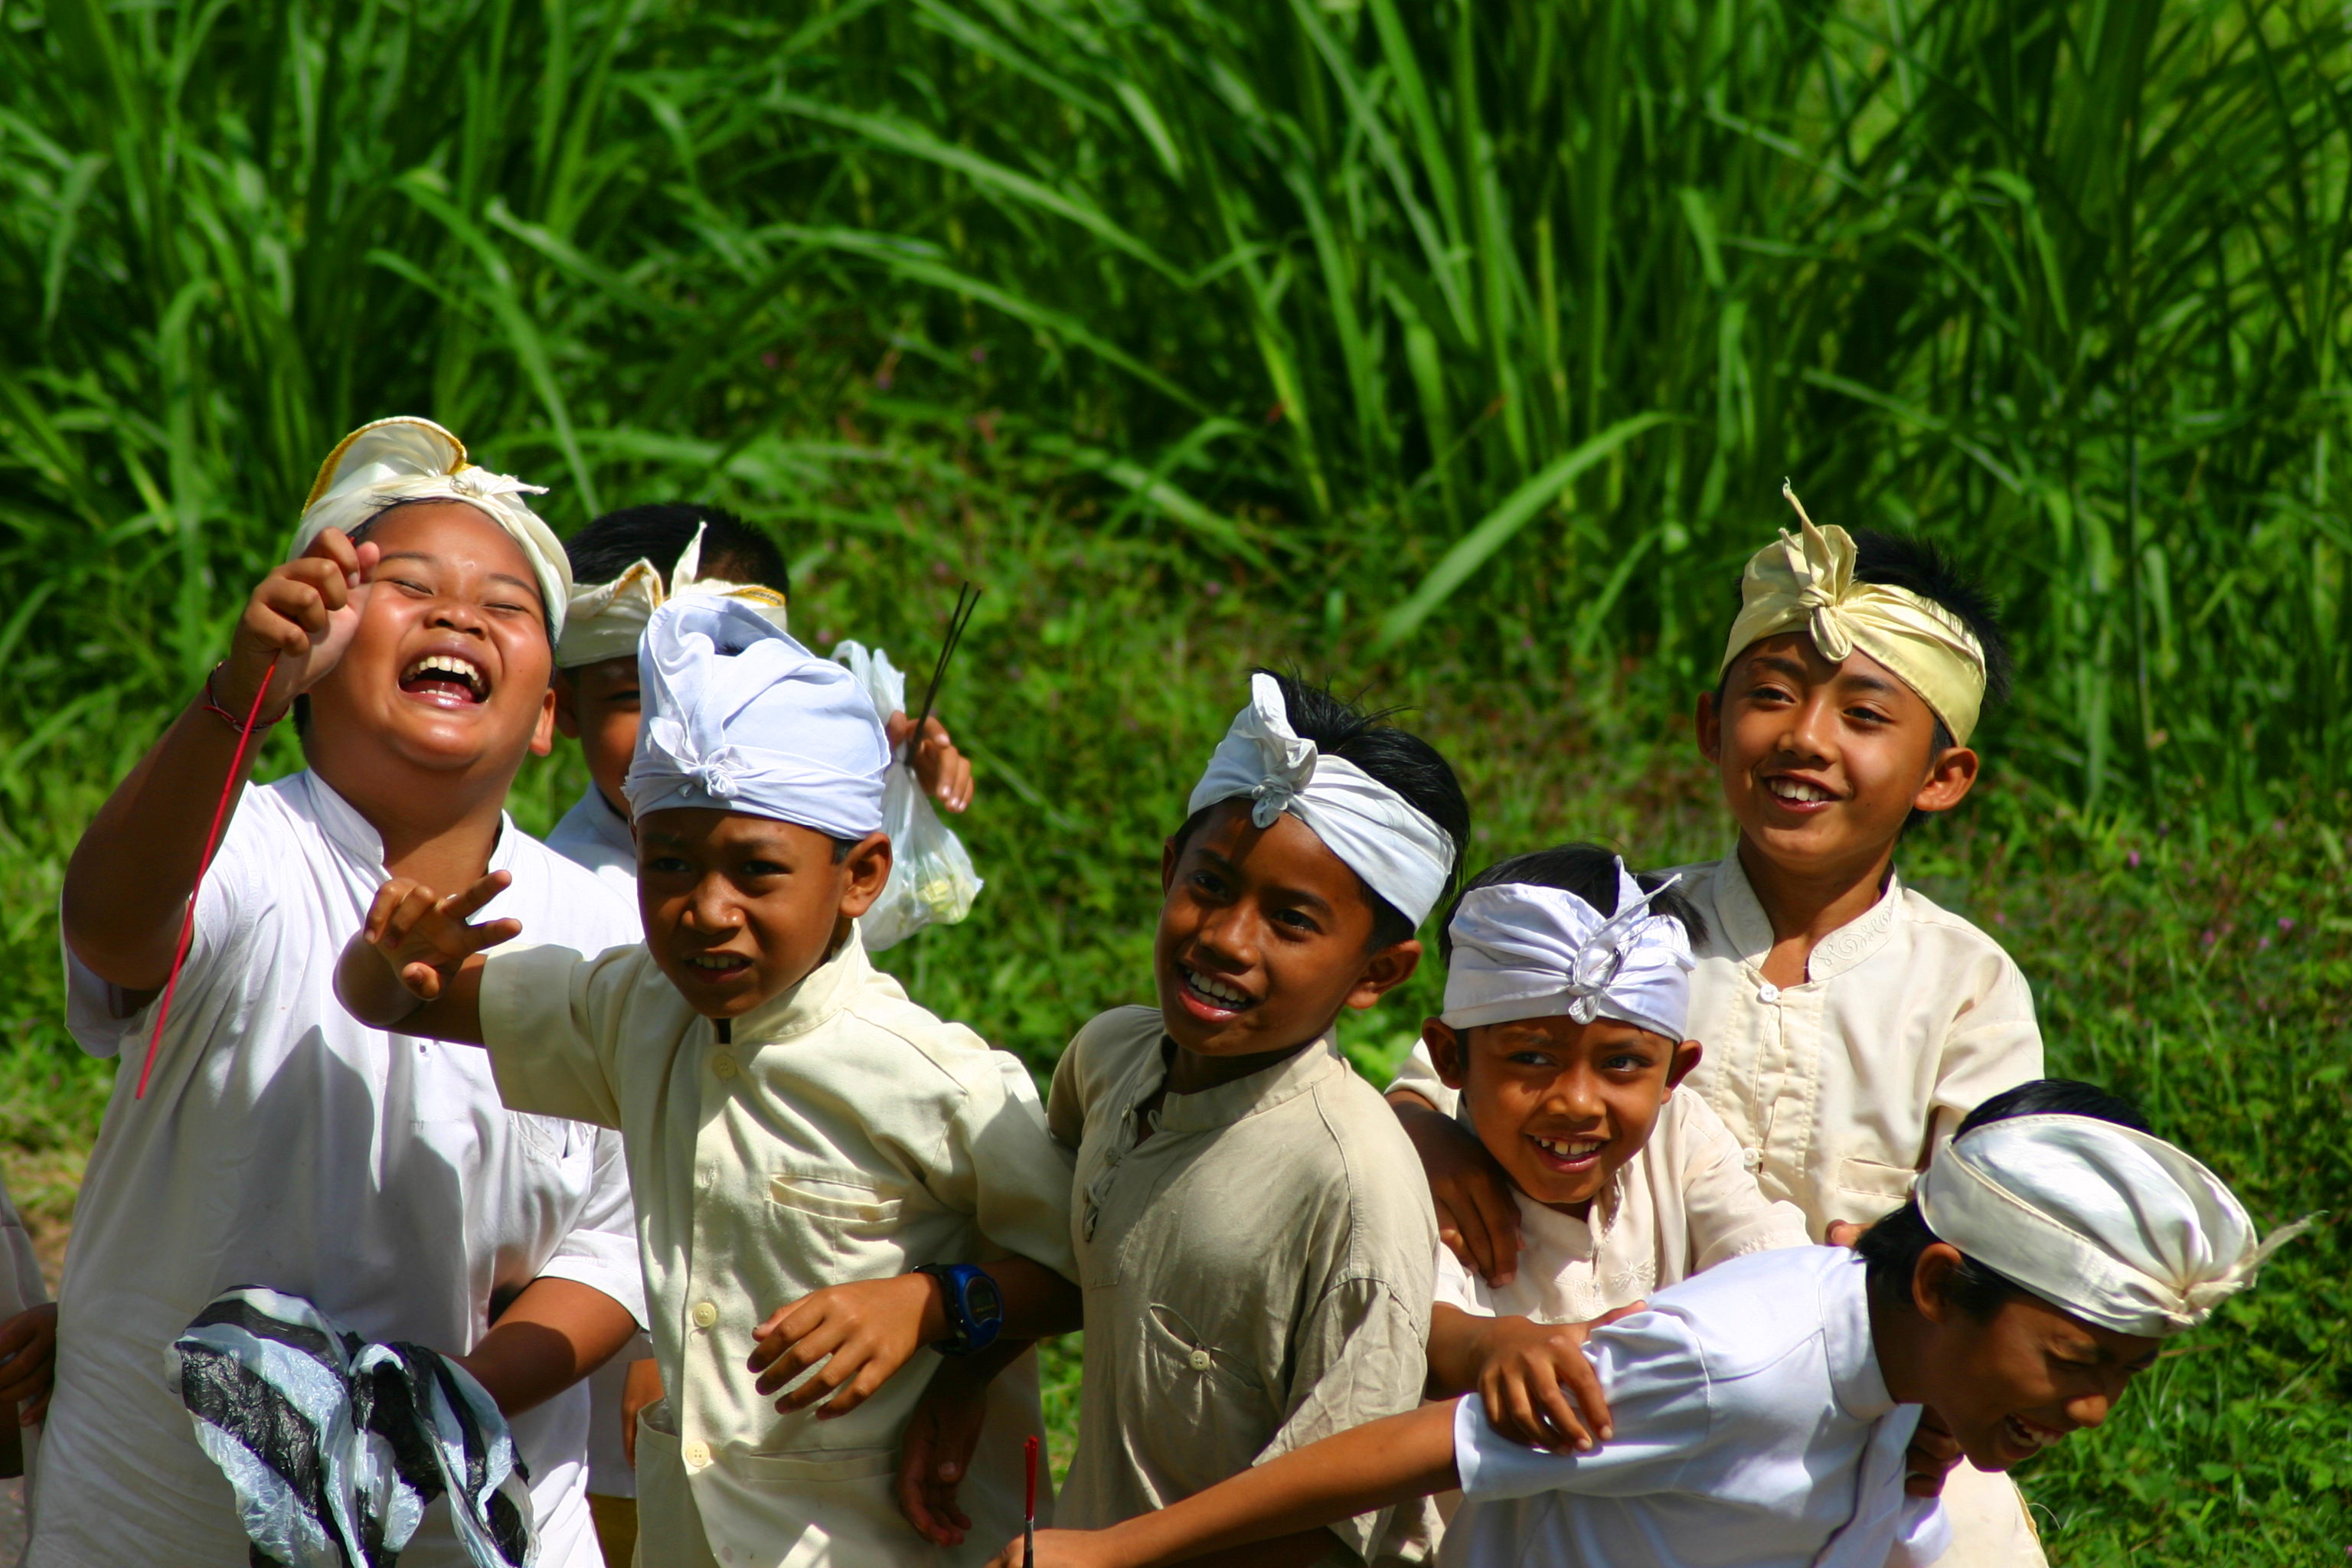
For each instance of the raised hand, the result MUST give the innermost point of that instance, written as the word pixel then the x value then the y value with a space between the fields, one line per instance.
pixel 944 773
pixel 300 618
pixel 425 938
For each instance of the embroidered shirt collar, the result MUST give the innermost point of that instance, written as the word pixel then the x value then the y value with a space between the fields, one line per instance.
pixel 1227 1103
pixel 1749 929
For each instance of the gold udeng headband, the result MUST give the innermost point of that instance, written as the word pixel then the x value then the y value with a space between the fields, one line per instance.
pixel 1804 582
pixel 607 618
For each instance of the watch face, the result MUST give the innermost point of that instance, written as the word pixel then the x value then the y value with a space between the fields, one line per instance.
pixel 981 1300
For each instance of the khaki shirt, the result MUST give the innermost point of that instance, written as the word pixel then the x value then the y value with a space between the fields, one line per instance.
pixel 844 1134
pixel 1684 1203
pixel 1257 1271
pixel 1838 1089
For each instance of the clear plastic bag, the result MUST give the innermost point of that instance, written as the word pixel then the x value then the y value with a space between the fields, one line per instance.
pixel 932 878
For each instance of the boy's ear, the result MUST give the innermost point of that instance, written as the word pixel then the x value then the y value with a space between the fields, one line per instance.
pixel 1684 1058
pixel 1167 865
pixel 866 871
pixel 542 734
pixel 567 705
pixel 1384 971
pixel 1930 1277
pixel 1707 723
pixel 1444 1051
pixel 1951 776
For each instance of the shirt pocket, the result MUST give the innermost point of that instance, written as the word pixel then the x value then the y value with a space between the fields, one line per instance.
pixel 1890 1184
pixel 1212 1407
pixel 847 1215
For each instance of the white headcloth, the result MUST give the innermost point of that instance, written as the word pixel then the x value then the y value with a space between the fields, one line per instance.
pixel 738 717
pixel 608 618
pixel 1527 951
pixel 1383 838
pixel 406 458
pixel 2115 1226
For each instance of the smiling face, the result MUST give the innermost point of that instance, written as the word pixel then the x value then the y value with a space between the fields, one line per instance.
pixel 596 705
pixel 2011 1385
pixel 1562 1105
pixel 738 908
pixel 448 668
pixel 1821 763
pixel 1265 935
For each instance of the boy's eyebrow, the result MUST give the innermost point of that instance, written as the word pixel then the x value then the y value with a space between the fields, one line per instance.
pixel 1296 895
pixel 529 587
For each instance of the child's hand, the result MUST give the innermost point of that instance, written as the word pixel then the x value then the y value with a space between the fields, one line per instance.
pixel 425 938
pixel 640 1388
pixel 300 618
pixel 1059 1549
pixel 1933 1454
pixel 1477 1217
pixel 937 1455
pixel 863 1332
pixel 1843 1233
pixel 29 1361
pixel 1528 1372
pixel 944 773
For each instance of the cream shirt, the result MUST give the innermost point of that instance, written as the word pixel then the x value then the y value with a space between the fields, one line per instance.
pixel 846 1134
pixel 1257 1272
pixel 1684 1203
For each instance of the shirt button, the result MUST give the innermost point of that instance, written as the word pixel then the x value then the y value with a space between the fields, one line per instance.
pixel 1753 1159
pixel 1767 993
pixel 704 1314
pixel 697 1454
pixel 723 1066
pixel 1199 1360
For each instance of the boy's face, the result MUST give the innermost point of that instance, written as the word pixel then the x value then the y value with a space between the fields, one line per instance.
pixel 1821 763
pixel 739 908
pixel 1561 1106
pixel 1265 934
pixel 2010 1385
pixel 596 705
pixel 449 666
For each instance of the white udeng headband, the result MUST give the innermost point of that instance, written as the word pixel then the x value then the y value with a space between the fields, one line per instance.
pixel 1381 837
pixel 2116 1227
pixel 1526 952
pixel 608 618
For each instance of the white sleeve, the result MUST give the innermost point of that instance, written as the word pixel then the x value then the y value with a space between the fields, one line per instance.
pixel 600 1250
pixel 1455 1287
pixel 1419 1074
pixel 1660 1405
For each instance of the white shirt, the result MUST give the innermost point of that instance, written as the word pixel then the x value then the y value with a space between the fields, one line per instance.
pixel 592 834
pixel 282 1142
pixel 1684 1203
pixel 1838 1089
pixel 1754 1429
pixel 842 1134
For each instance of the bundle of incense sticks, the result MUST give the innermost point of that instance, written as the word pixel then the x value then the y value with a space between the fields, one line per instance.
pixel 1029 1512
pixel 967 601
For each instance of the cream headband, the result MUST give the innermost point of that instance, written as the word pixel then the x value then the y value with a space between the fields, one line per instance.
pixel 406 458
pixel 607 619
pixel 1806 582
pixel 2116 1227
pixel 1527 951
pixel 1383 838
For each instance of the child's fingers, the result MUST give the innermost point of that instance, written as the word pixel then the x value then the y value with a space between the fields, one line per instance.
pixel 1498 1214
pixel 37 1410
pixel 801 1354
pixel 406 915
pixel 1575 1375
pixel 461 906
pixel 872 1376
pixel 423 981
pixel 387 899
pixel 488 934
pixel 1562 1426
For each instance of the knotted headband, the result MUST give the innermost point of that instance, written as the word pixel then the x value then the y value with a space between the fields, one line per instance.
pixel 1527 951
pixel 2116 1227
pixel 738 717
pixel 608 618
pixel 406 458
pixel 1378 834
pixel 1805 583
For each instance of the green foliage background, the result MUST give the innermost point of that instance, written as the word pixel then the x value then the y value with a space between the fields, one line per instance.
pixel 1457 347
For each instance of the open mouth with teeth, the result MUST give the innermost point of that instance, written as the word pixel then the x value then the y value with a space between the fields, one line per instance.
pixel 2029 1437
pixel 1209 998
pixel 1797 791
pixel 718 966
pixel 1568 1156
pixel 447 679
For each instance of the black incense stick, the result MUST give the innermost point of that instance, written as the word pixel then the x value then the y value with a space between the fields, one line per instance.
pixel 967 601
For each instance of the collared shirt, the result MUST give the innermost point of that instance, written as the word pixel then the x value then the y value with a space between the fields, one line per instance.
pixel 592 834
pixel 284 1143
pixel 843 1133
pixel 1839 1088
pixel 1684 1203
pixel 1257 1271
pixel 1764 1438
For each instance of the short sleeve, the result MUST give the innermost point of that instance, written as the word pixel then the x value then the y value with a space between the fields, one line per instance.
pixel 600 1250
pixel 1096 1057
pixel 1066 1100
pixel 1419 1074
pixel 549 1018
pixel 1007 1169
pixel 1994 1044
pixel 1726 1211
pixel 1660 1404
pixel 1362 1354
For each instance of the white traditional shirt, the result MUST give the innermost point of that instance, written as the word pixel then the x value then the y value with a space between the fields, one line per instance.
pixel 1754 1428
pixel 1256 1273
pixel 1684 1203
pixel 592 834
pixel 1838 1089
pixel 843 1133
pixel 284 1143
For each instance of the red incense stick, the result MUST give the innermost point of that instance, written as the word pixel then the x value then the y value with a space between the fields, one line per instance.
pixel 1029 1512
pixel 212 843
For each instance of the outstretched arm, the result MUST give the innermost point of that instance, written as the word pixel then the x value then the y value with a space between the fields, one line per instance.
pixel 417 964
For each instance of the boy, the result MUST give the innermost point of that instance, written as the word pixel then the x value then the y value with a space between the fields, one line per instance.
pixel 1567 997
pixel 1849 1022
pixel 281 1142
pixel 2051 1249
pixel 797 1132
pixel 1253 1232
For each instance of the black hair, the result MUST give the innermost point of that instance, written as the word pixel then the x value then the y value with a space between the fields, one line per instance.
pixel 1923 567
pixel 1397 758
pixel 1585 869
pixel 1890 1249
pixel 661 531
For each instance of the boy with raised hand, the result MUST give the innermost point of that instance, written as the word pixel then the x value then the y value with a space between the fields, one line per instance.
pixel 281 1142
pixel 827 1177
pixel 1765 1408
pixel 1849 1022
pixel 1565 1034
